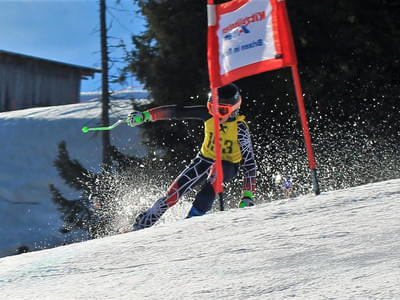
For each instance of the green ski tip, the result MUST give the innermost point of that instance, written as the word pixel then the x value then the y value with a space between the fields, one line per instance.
pixel 85 129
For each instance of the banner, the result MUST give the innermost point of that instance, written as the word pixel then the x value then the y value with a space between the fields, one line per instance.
pixel 247 37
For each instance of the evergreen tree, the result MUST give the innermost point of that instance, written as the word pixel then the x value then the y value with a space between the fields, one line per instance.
pixel 170 59
pixel 348 59
pixel 79 214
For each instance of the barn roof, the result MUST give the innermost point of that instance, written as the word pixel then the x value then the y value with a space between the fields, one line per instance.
pixel 16 57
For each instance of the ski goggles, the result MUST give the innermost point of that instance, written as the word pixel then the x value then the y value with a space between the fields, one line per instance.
pixel 223 110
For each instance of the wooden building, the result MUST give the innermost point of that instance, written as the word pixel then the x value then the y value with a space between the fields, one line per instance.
pixel 27 81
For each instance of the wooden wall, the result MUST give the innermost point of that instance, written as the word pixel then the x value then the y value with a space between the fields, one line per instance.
pixel 28 83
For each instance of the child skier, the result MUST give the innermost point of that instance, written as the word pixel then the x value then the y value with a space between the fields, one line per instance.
pixel 236 150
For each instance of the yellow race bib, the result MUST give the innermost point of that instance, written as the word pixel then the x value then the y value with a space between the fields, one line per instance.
pixel 228 133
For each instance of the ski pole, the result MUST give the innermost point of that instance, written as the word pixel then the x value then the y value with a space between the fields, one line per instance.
pixel 86 129
pixel 221 201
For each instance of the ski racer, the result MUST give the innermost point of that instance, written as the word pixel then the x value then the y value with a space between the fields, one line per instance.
pixel 236 151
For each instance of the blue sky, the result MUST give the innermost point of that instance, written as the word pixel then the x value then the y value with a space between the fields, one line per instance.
pixel 68 31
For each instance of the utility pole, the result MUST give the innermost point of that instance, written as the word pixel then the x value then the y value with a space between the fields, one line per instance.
pixel 104 87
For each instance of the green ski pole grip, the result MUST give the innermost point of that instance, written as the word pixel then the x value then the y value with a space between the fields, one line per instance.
pixel 86 129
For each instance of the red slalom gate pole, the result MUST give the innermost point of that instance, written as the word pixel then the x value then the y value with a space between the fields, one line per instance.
pixel 306 132
pixel 219 175
pixel 213 52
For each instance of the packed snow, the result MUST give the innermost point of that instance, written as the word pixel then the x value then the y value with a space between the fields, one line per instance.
pixel 338 245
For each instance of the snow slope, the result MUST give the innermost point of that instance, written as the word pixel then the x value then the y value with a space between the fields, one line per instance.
pixel 29 142
pixel 339 245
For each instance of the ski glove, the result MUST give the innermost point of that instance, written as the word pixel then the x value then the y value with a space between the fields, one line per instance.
pixel 247 199
pixel 136 118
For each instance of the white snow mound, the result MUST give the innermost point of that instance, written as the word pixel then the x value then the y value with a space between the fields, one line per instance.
pixel 339 245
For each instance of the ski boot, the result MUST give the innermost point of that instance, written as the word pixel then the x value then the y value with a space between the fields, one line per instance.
pixel 152 215
pixel 194 212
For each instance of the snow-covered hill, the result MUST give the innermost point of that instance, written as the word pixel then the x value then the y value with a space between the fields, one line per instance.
pixel 339 245
pixel 29 140
pixel 140 96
